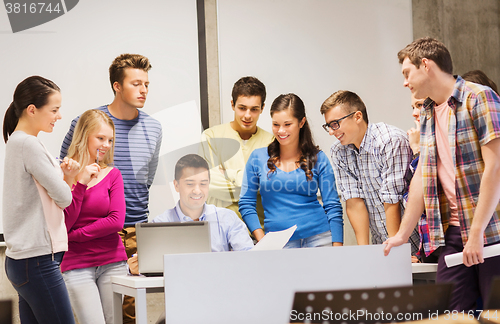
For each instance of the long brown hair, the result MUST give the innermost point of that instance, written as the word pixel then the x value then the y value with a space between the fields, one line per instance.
pixel 308 150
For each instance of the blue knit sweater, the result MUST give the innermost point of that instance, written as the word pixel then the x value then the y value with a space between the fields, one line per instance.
pixel 289 199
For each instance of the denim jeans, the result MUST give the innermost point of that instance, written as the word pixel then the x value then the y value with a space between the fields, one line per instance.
pixel 43 297
pixel 322 239
pixel 91 294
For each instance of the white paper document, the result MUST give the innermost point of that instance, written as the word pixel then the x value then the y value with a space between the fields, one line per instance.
pixel 457 258
pixel 275 240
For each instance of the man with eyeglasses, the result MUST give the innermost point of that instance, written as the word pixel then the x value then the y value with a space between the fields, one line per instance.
pixel 369 161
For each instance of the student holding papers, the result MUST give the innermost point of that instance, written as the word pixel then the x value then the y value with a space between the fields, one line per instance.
pixel 456 180
pixel 288 174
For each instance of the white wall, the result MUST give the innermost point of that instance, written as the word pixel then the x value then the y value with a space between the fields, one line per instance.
pixel 76 49
pixel 314 48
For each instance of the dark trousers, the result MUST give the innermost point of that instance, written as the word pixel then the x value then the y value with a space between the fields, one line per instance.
pixel 43 297
pixel 470 282
pixel 432 258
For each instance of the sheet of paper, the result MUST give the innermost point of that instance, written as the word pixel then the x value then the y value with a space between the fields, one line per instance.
pixel 457 258
pixel 275 240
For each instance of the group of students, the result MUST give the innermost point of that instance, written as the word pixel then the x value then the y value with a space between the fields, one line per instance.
pixel 69 224
pixel 273 182
pixel 270 181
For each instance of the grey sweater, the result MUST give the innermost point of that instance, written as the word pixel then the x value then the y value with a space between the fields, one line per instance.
pixel 26 230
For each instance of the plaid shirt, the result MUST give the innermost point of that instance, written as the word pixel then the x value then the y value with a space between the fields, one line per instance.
pixel 474 120
pixel 375 173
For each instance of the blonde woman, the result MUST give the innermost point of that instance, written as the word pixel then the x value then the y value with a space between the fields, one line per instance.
pixel 93 219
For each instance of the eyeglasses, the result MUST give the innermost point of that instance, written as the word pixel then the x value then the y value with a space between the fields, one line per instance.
pixel 335 124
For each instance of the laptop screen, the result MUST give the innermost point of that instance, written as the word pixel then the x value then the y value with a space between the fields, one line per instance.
pixel 156 239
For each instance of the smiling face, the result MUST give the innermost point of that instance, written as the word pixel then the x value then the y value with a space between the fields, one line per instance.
pixel 247 111
pixel 134 88
pixel 286 128
pixel 100 142
pixel 193 190
pixel 352 129
pixel 46 116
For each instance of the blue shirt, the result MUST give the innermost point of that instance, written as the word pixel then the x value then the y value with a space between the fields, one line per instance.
pixel 137 150
pixel 290 199
pixel 227 230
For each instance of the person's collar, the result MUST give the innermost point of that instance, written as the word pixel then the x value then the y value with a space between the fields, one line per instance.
pixel 458 94
pixel 184 218
pixel 239 136
pixel 365 142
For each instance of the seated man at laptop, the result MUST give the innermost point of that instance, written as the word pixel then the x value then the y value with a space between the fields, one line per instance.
pixel 228 232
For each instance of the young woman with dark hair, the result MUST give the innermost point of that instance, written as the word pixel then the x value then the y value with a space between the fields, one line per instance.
pixel 34 196
pixel 288 174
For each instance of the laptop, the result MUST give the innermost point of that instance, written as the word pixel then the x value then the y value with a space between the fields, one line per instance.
pixel 156 239
pixel 372 305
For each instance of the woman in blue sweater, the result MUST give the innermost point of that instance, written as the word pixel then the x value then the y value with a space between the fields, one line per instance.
pixel 288 174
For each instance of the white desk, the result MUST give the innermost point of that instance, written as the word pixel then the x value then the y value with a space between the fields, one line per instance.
pixel 138 287
pixel 259 286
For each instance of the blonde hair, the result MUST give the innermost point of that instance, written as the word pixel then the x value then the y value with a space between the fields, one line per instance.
pixel 89 123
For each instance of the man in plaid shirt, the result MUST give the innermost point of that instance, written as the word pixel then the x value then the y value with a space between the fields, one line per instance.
pixel 457 179
pixel 369 161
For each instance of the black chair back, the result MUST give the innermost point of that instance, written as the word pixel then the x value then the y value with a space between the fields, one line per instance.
pixel 377 305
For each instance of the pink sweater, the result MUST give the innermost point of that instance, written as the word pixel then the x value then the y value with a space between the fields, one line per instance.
pixel 93 220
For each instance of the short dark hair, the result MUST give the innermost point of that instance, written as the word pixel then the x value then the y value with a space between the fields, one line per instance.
pixel 124 61
pixel 478 76
pixel 249 86
pixel 349 100
pixel 429 48
pixel 189 161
